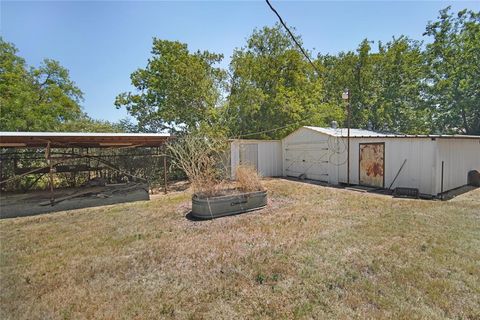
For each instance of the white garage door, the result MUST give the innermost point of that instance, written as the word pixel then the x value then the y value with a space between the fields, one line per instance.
pixel 307 160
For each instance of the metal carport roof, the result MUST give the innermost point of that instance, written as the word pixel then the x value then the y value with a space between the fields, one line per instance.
pixel 81 139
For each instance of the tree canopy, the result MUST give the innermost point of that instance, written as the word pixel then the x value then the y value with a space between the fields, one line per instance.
pixel 176 91
pixel 453 80
pixel 35 99
pixel 273 86
pixel 43 98
pixel 401 86
pixel 385 86
pixel 411 86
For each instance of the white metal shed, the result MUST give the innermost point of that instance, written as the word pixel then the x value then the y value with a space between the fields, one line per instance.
pixel 375 159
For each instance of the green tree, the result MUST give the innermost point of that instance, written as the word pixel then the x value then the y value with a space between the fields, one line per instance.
pixel 400 104
pixel 35 99
pixel 454 78
pixel 176 91
pixel 15 88
pixel 385 86
pixel 353 71
pixel 273 86
pixel 86 124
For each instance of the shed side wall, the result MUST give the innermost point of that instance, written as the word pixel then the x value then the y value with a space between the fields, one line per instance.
pixel 418 172
pixel 459 157
pixel 269 157
pixel 234 157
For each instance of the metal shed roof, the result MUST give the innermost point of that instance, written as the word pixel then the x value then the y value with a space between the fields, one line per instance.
pixel 360 133
pixel 80 139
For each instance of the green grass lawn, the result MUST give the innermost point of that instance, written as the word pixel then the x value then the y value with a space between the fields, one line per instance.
pixel 315 252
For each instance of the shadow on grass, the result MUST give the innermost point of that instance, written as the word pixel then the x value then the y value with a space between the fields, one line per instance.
pixel 37 202
pixel 447 195
pixel 191 217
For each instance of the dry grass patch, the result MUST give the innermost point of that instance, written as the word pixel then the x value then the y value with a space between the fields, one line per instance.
pixel 314 252
pixel 247 179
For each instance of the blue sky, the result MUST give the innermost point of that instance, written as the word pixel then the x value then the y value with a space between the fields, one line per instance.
pixel 101 43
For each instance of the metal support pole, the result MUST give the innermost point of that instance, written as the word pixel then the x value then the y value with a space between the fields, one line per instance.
pixel 74 174
pixel 441 184
pixel 1 169
pixel 165 174
pixel 15 166
pixel 89 167
pixel 50 173
pixel 348 139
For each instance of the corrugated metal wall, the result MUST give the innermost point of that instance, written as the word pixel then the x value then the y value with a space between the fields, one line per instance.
pixel 323 157
pixel 267 152
pixel 310 153
pixel 418 172
pixel 459 157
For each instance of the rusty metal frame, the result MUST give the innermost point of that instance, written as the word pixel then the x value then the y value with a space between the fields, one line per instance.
pixel 52 162
pixel 359 151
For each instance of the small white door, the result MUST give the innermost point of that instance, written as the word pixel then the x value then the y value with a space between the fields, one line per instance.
pixel 249 154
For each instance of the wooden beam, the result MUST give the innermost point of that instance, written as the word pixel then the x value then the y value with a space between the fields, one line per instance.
pixel 59 169
pixel 50 173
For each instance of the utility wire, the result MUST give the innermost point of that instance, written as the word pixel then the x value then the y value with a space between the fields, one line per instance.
pixel 296 123
pixel 292 36
pixel 265 131
pixel 306 56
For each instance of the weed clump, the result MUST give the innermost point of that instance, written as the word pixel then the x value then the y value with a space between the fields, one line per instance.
pixel 248 180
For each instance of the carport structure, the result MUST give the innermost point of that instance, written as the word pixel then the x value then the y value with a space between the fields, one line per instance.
pixel 71 152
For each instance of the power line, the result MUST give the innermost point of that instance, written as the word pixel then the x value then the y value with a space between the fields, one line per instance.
pixel 265 131
pixel 300 122
pixel 292 36
pixel 306 56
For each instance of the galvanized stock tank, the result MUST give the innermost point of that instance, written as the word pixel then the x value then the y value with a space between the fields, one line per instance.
pixel 214 207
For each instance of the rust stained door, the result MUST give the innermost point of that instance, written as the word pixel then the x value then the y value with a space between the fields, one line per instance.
pixel 372 164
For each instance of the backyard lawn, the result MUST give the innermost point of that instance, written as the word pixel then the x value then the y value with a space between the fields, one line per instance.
pixel 314 252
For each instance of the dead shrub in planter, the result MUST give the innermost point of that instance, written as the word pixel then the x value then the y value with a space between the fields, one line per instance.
pixel 202 158
pixel 248 179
